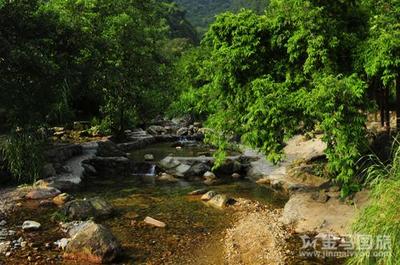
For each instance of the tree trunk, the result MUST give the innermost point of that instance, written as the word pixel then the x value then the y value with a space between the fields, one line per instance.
pixel 387 109
pixel 397 84
pixel 382 106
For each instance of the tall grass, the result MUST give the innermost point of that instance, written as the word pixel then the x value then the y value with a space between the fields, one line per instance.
pixel 382 215
pixel 23 154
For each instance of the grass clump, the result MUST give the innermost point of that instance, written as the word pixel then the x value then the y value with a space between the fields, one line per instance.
pixel 381 217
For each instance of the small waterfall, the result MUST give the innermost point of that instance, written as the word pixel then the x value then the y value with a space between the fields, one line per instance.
pixel 184 141
pixel 146 172
pixel 152 171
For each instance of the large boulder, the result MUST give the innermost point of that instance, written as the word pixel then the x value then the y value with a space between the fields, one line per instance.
pixel 111 166
pixel 169 163
pixel 93 243
pixel 85 209
pixel 185 167
pixel 109 149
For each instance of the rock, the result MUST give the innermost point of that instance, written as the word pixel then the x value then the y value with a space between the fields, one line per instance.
pixel 46 203
pixel 59 134
pixel 334 189
pixel 58 129
pixel 5 246
pixel 209 175
pixel 197 124
pixel 102 208
pixel 48 170
pixel 198 169
pixel 89 170
pixel 182 131
pixel 229 166
pixel 72 228
pixel 62 153
pixel 149 157
pixel 181 171
pixel 85 209
pixel 109 149
pixel 62 199
pixel 306 215
pixel 42 193
pixel 320 196
pixel 62 243
pixel 335 195
pixel 236 176
pixel 198 192
pixel 156 130
pixel 111 166
pixel 218 201
pixel 167 178
pixel 31 226
pixel 93 243
pixel 151 221
pixel 169 163
pixel 208 196
pixel 3 222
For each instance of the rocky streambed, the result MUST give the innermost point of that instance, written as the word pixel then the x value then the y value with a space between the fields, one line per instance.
pixel 156 200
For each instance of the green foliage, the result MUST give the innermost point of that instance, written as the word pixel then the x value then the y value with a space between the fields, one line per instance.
pixel 379 54
pixel 101 126
pixel 336 102
pixel 23 154
pixel 265 78
pixel 381 215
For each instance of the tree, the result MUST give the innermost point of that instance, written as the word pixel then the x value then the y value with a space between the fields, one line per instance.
pixel 379 53
pixel 291 70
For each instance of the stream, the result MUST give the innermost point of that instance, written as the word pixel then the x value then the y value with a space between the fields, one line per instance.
pixel 193 233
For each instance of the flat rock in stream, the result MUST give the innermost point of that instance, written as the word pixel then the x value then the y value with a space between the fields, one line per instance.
pixel 42 193
pixel 219 201
pixel 167 178
pixel 109 149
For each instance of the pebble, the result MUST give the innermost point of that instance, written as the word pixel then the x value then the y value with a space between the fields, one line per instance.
pixel 30 226
pixel 154 222
pixel 236 176
pixel 209 175
pixel 3 222
pixel 4 246
pixel 62 243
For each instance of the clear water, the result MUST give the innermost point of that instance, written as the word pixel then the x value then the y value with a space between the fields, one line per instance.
pixel 193 231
